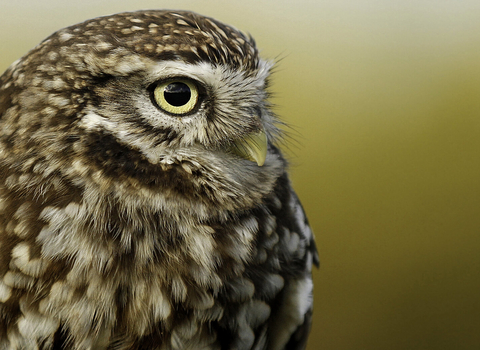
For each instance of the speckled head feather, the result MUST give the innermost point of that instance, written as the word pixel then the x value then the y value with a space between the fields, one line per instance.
pixel 143 201
pixel 168 35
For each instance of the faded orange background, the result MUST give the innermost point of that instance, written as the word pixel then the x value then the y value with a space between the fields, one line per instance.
pixel 384 100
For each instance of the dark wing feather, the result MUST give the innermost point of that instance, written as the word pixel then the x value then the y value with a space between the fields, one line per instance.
pixel 292 313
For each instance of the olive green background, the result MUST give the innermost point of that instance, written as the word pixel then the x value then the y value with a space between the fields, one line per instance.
pixel 384 102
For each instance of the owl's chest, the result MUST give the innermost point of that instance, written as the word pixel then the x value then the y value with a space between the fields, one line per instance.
pixel 153 285
pixel 158 283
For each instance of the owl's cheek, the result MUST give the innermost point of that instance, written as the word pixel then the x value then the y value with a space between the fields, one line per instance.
pixel 180 177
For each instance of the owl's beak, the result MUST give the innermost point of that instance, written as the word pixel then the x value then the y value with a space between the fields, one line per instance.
pixel 252 147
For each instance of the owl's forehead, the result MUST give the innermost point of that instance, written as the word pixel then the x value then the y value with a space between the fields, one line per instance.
pixel 160 35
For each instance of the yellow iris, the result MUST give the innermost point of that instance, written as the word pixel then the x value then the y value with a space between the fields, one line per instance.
pixel 176 96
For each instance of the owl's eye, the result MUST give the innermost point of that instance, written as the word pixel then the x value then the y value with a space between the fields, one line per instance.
pixel 176 96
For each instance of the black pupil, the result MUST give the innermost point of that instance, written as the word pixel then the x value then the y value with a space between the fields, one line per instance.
pixel 177 94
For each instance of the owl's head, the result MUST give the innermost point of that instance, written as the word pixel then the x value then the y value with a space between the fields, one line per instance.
pixel 163 107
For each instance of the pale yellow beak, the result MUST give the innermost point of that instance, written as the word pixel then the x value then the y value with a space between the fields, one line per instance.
pixel 252 147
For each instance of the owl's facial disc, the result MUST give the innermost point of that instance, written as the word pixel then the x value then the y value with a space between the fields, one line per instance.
pixel 215 106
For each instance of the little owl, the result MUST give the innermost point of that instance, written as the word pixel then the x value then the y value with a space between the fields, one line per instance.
pixel 144 202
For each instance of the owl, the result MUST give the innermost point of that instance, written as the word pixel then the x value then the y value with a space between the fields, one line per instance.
pixel 144 200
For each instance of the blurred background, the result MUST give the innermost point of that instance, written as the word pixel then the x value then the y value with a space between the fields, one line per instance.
pixel 384 100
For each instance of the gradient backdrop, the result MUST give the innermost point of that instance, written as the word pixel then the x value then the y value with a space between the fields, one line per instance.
pixel 384 100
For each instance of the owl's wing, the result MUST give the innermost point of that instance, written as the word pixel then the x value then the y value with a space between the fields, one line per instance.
pixel 291 321
pixel 299 338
